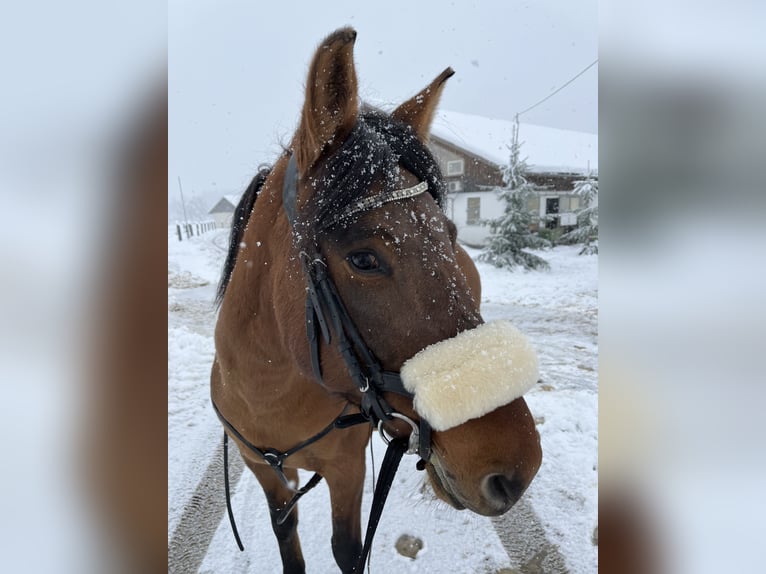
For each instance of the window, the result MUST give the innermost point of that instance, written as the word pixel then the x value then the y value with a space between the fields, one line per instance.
pixel 455 167
pixel 473 216
pixel 551 209
pixel 454 186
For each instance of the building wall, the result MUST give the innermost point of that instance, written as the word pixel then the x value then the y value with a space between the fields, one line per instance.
pixel 477 173
pixel 222 220
pixel 490 207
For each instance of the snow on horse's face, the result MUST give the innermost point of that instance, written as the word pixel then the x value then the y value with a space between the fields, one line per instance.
pixel 408 285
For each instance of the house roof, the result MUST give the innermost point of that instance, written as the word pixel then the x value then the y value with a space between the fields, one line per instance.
pixel 226 204
pixel 547 150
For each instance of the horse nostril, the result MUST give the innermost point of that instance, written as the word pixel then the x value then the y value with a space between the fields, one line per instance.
pixel 503 490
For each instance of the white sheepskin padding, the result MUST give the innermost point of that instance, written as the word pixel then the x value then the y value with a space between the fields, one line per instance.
pixel 471 374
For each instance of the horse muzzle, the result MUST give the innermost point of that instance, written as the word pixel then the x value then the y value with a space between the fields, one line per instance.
pixel 495 495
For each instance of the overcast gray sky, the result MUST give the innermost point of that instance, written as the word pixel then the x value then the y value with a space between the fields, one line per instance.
pixel 237 70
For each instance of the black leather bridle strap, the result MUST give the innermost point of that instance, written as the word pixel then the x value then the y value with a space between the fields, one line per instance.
pixel 343 322
pixel 367 375
pixel 312 332
pixel 324 305
pixel 269 454
pixel 285 512
pixel 344 345
pixel 394 452
pixel 290 190
pixel 275 460
pixel 228 491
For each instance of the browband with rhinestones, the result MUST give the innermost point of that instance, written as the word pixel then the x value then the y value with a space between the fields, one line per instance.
pixel 378 200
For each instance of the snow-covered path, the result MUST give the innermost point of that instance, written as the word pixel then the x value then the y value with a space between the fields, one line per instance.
pixel 557 309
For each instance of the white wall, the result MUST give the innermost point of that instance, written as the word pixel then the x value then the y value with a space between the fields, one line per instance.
pixel 222 219
pixel 457 210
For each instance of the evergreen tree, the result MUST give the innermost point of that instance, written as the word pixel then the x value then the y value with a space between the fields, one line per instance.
pixel 509 233
pixel 586 232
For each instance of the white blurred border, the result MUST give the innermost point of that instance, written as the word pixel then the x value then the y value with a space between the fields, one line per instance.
pixel 74 76
pixel 682 278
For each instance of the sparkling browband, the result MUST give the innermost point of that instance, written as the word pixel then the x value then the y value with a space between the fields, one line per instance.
pixel 379 200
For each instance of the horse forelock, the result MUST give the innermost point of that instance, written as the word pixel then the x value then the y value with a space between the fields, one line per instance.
pixel 370 155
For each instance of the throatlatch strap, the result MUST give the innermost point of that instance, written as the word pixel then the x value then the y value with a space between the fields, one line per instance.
pixel 394 452
pixel 228 491
pixel 290 190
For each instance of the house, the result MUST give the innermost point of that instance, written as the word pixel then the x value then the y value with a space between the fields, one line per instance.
pixel 472 150
pixel 223 211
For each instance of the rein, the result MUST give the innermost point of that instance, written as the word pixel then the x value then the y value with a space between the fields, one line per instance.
pixel 327 316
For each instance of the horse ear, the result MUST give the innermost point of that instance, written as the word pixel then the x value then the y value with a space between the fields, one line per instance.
pixel 331 106
pixel 419 110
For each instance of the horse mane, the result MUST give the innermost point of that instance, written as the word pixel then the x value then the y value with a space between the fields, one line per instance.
pixel 376 145
pixel 238 224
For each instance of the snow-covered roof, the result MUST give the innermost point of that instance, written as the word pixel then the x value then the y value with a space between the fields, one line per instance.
pixel 233 198
pixel 547 150
pixel 221 207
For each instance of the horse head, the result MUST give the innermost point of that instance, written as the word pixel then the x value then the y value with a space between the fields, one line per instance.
pixel 406 282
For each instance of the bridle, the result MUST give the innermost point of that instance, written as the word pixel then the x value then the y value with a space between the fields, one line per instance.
pixel 323 302
pixel 327 316
pixel 363 367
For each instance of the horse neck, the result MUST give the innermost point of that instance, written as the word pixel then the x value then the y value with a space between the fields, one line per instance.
pixel 261 323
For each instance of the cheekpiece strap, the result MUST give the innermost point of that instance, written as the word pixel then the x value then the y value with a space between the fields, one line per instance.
pixel 324 306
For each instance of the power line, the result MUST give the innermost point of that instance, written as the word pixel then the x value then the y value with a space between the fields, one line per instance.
pixel 593 63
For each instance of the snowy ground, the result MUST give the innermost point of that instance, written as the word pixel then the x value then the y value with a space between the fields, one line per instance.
pixel 550 530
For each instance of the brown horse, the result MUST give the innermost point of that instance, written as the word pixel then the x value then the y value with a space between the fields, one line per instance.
pixel 351 214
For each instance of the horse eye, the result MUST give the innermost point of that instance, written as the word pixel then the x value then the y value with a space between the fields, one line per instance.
pixel 364 261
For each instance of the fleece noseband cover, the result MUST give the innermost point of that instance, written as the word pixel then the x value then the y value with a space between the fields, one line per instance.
pixel 471 374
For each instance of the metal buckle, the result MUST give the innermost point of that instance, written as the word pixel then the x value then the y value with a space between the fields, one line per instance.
pixel 273 459
pixel 414 441
pixel 366 386
pixel 307 261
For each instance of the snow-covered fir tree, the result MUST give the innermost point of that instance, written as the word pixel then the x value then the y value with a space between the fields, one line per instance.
pixel 509 234
pixel 586 232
